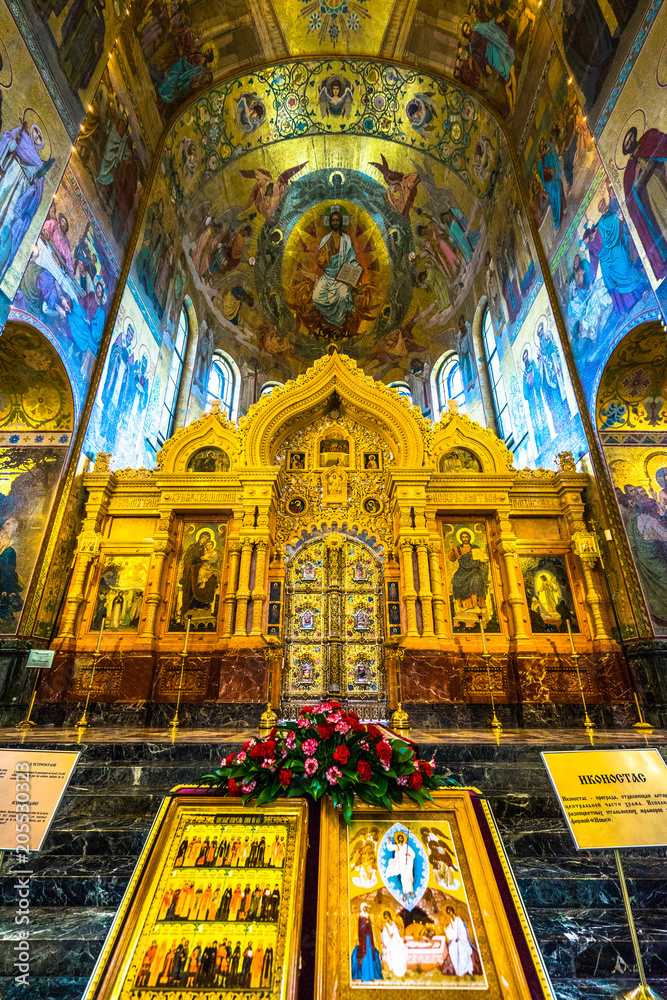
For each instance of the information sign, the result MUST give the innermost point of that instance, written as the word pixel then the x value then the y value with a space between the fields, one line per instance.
pixel 611 798
pixel 42 659
pixel 32 783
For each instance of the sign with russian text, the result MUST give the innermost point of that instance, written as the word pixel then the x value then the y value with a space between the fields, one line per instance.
pixel 32 783
pixel 611 798
pixel 42 659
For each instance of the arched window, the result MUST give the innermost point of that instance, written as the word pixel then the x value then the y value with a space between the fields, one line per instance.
pixel 223 384
pixel 403 389
pixel 174 378
pixel 449 383
pixel 496 378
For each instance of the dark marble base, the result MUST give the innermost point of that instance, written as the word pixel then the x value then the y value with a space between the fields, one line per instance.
pixel 525 716
pixel 214 715
pixel 573 898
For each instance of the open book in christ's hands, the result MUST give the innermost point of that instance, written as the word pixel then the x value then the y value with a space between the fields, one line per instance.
pixel 349 274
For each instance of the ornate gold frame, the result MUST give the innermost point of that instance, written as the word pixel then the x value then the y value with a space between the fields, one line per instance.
pixel 128 932
pixel 506 978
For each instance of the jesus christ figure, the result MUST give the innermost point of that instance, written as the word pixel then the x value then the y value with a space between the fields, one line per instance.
pixel 402 865
pixel 332 298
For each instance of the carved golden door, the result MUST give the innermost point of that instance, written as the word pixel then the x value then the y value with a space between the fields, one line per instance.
pixel 333 628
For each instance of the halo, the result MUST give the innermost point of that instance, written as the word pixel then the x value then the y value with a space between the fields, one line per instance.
pixel 326 218
pixel 652 464
pixel 540 319
pixel 31 117
pixel 209 531
pixel 661 67
pixel 636 120
pixel 336 173
pixel 130 322
pixel 527 347
pixel 465 22
pixel 6 74
pixel 468 531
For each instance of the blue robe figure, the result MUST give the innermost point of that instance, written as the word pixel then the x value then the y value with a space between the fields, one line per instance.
pixel 332 298
pixel 21 185
pixel 551 174
pixel 365 961
pixel 607 246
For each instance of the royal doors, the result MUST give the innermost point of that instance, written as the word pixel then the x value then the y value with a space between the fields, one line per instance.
pixel 333 629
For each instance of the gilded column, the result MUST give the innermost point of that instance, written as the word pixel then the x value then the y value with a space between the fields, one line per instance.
pixel 409 592
pixel 243 593
pixel 436 587
pixel 75 596
pixel 425 593
pixel 259 593
pixel 593 598
pixel 161 549
pixel 230 596
pixel 507 548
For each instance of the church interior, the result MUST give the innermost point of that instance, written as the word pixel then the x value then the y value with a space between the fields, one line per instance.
pixel 333 366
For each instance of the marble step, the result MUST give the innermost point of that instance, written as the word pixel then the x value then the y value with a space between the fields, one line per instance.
pixel 511 777
pixel 45 988
pixel 550 838
pixel 598 989
pixel 212 747
pixel 589 883
pixel 63 940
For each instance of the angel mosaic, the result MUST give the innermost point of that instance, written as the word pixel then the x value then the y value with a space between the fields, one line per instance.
pixel 422 112
pixel 267 192
pixel 336 96
pixel 249 114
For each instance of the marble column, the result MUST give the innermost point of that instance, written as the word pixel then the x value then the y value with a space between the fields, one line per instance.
pixel 409 592
pixel 259 593
pixel 230 596
pixel 425 592
pixel 243 593
pixel 436 587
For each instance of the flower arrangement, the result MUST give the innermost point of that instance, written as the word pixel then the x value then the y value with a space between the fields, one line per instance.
pixel 327 751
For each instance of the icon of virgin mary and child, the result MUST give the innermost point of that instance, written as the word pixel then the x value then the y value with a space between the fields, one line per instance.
pixel 331 301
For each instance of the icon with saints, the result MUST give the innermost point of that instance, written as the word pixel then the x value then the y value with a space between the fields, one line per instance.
pixel 410 923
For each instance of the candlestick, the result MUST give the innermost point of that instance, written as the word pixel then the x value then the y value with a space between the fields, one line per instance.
pixel 481 628
pixel 494 722
pixel 588 722
pixel 83 721
pixel 175 722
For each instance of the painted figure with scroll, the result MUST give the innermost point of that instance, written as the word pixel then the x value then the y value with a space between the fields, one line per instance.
pixel 470 581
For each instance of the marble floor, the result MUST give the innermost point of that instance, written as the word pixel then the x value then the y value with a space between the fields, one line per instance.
pixel 573 898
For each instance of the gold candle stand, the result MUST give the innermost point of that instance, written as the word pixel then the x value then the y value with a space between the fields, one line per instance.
pixel 269 718
pixel 83 721
pixel 589 725
pixel 494 722
pixel 27 722
pixel 400 720
pixel 175 722
pixel 643 991
pixel 642 724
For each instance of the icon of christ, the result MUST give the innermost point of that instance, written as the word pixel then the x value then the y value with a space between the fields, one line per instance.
pixel 332 294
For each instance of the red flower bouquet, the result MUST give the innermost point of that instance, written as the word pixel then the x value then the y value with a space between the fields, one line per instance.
pixel 327 752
